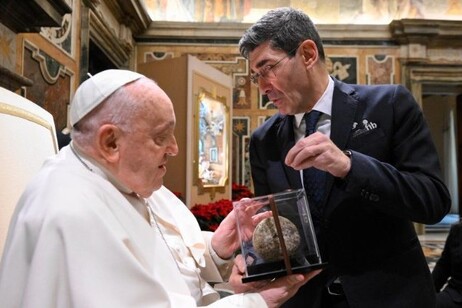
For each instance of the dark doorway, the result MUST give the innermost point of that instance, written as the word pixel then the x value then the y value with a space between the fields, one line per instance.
pixel 98 61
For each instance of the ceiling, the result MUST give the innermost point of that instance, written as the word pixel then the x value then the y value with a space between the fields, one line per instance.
pixel 321 11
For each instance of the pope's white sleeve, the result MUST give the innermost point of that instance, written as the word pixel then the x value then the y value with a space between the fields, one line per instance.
pixel 243 300
pixel 216 269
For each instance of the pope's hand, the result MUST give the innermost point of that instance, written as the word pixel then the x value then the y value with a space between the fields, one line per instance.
pixel 225 239
pixel 275 292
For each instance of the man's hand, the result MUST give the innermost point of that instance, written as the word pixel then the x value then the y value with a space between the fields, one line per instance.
pixel 275 292
pixel 317 150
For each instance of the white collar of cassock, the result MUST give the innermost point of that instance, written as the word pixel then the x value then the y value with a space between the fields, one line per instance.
pixel 165 205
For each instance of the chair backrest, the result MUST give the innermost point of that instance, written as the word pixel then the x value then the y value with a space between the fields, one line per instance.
pixel 27 138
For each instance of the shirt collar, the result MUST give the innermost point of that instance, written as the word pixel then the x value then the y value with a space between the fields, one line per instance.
pixel 324 104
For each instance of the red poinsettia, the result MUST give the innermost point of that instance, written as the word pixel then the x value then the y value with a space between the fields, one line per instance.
pixel 210 215
pixel 240 191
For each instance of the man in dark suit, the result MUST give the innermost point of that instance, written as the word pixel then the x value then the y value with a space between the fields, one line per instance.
pixel 448 271
pixel 377 168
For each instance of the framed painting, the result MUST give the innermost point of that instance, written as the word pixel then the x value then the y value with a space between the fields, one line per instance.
pixel 212 145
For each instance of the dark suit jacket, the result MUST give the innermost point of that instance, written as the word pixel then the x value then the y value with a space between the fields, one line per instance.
pixel 449 266
pixel 366 232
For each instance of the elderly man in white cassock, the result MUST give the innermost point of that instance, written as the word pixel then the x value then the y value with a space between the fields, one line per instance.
pixel 96 228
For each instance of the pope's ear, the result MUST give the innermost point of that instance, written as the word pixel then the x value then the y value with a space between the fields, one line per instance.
pixel 108 142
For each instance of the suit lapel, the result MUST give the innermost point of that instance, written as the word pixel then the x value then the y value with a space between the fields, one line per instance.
pixel 344 105
pixel 286 140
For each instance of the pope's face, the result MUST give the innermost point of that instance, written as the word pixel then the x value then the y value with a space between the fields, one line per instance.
pixel 144 150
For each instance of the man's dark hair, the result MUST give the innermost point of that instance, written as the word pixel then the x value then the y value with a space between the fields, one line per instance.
pixel 285 28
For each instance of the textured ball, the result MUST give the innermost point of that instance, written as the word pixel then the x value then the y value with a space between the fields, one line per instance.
pixel 266 241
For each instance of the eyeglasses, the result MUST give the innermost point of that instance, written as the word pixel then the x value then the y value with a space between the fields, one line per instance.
pixel 263 73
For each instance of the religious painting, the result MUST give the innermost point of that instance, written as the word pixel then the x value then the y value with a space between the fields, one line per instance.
pixel 212 128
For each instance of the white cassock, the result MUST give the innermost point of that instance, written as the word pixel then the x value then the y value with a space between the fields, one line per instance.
pixel 77 240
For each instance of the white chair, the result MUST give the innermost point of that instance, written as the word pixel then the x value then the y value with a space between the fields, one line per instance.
pixel 27 138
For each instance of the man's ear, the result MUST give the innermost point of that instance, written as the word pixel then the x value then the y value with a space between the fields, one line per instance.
pixel 108 142
pixel 309 53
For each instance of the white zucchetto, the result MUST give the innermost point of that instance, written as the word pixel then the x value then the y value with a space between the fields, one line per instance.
pixel 96 89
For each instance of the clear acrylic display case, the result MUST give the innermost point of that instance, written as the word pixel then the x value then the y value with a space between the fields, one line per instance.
pixel 277 235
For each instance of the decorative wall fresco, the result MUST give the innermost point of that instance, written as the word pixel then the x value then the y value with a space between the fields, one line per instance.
pixel 238 68
pixel 63 37
pixel 199 10
pixel 52 83
pixel 60 37
pixel 7 48
pixel 321 11
pixel 241 164
pixel 240 97
pixel 343 68
pixel 380 69
pixel 157 56
pixel 265 103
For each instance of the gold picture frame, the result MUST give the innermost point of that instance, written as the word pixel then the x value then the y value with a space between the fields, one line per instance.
pixel 212 146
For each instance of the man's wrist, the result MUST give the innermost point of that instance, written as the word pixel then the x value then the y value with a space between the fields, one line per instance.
pixel 347 169
pixel 348 153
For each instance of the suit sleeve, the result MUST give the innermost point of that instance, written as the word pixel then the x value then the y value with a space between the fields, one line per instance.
pixel 265 150
pixel 403 178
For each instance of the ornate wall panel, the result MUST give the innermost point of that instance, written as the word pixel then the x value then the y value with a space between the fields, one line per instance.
pixel 380 69
pixel 240 157
pixel 62 37
pixel 7 48
pixel 343 68
pixel 52 83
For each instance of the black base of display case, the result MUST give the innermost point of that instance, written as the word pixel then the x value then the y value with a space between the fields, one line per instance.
pixel 275 270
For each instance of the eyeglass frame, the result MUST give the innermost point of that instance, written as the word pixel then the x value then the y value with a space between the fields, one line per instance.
pixel 263 72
